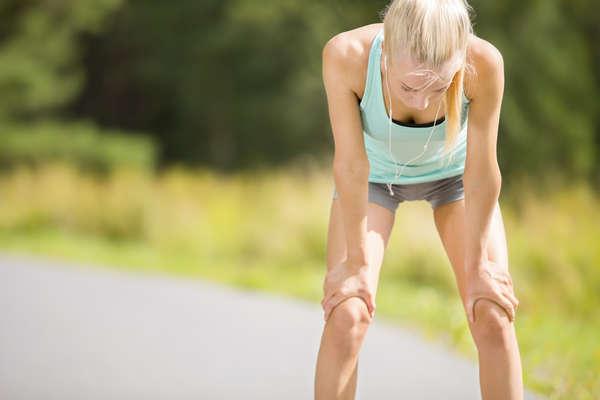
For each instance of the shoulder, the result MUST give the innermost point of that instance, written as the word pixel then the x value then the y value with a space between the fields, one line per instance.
pixel 346 54
pixel 487 68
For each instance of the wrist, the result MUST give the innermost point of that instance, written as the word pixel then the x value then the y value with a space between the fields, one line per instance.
pixel 476 259
pixel 474 266
pixel 357 262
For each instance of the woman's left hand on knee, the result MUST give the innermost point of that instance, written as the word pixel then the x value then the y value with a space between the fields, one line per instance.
pixel 489 281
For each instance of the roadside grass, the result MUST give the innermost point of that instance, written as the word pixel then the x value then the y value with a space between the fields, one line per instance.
pixel 267 231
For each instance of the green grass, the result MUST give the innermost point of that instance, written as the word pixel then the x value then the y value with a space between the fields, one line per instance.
pixel 267 232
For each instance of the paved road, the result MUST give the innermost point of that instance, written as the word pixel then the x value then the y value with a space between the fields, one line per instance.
pixel 73 332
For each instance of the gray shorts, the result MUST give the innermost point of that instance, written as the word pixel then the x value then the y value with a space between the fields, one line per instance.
pixel 436 193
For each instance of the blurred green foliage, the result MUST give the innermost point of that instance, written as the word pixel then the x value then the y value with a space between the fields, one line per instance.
pixel 126 85
pixel 268 231
pixel 40 55
pixel 80 143
pixel 233 84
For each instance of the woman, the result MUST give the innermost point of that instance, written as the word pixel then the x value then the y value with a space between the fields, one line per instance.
pixel 414 104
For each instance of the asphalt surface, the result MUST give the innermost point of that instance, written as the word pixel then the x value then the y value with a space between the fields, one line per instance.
pixel 79 332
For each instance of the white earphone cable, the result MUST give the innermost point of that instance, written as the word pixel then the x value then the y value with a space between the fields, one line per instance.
pixel 397 174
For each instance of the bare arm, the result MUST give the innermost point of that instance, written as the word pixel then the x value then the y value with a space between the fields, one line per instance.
pixel 350 162
pixel 482 178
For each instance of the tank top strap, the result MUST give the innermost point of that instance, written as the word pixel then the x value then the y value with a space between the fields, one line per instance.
pixel 372 69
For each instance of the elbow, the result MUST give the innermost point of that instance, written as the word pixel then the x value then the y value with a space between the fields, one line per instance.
pixel 499 181
pixel 494 178
pixel 496 181
pixel 482 180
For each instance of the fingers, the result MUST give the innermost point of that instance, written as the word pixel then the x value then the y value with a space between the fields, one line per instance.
pixel 507 290
pixel 502 299
pixel 507 305
pixel 326 303
pixel 504 280
pixel 512 298
pixel 370 302
pixel 471 309
pixel 325 299
pixel 369 299
pixel 499 274
pixel 332 301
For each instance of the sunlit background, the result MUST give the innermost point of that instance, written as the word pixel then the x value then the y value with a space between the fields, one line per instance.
pixel 192 138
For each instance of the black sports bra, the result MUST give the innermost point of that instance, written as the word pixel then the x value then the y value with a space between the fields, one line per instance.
pixel 415 125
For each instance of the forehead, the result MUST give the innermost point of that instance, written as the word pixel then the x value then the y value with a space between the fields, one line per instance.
pixel 405 67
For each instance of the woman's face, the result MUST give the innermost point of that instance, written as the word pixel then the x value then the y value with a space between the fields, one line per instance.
pixel 416 86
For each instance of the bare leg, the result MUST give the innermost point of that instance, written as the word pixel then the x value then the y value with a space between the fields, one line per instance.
pixel 500 370
pixel 344 331
pixel 337 362
pixel 498 351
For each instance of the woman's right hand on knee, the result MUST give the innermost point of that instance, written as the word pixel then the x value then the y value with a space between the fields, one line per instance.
pixel 345 280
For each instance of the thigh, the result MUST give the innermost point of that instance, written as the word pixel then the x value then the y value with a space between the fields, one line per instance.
pixel 380 222
pixel 450 223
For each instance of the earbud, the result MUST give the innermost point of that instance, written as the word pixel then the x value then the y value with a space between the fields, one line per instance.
pixel 396 174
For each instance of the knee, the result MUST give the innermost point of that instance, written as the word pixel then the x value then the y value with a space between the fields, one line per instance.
pixel 492 325
pixel 351 318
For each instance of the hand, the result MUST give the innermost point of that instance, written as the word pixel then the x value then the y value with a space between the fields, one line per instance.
pixel 343 281
pixel 491 282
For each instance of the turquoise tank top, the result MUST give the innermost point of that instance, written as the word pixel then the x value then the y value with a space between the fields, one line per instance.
pixel 407 140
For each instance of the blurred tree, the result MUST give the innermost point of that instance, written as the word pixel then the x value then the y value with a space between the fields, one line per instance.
pixel 580 15
pixel 237 83
pixel 39 65
pixel 548 118
pixel 224 83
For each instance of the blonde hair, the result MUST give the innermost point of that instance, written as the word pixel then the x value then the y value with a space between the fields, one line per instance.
pixel 432 32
